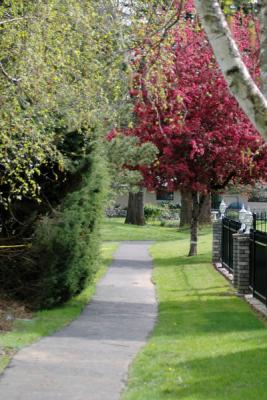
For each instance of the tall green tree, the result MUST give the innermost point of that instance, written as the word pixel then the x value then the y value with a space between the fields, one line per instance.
pixel 63 80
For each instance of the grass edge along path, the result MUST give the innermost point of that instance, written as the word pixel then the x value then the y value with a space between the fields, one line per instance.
pixel 46 322
pixel 207 343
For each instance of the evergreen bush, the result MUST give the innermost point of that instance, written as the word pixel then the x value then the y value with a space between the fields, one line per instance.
pixel 64 252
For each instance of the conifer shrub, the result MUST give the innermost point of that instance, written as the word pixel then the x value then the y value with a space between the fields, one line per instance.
pixel 65 248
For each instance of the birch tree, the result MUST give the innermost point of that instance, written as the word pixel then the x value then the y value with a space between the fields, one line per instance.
pixel 241 84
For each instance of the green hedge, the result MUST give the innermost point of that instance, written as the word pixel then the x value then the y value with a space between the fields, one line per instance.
pixel 64 252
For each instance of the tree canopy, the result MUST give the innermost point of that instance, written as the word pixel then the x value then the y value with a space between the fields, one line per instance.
pixel 61 71
pixel 183 106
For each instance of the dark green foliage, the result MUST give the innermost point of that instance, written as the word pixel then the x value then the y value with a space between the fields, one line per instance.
pixel 64 252
pixel 67 246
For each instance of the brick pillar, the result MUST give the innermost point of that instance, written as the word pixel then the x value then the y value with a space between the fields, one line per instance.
pixel 241 262
pixel 217 241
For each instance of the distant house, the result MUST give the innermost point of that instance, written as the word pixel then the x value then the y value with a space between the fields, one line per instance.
pixel 159 196
pixel 155 197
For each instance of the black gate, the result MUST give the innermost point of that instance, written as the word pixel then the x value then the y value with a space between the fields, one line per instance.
pixel 258 264
pixel 229 227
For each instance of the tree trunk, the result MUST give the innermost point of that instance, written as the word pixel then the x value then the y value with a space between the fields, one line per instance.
pixel 263 49
pixel 205 215
pixel 197 205
pixel 186 208
pixel 236 74
pixel 135 211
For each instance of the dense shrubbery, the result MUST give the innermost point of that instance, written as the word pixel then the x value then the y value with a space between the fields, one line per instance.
pixel 61 90
pixel 170 216
pixel 65 246
pixel 152 212
pixel 167 214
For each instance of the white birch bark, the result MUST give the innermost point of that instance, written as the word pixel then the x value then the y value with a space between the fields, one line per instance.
pixel 236 74
pixel 263 40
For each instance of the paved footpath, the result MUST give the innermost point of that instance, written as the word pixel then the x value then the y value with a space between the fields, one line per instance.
pixel 89 359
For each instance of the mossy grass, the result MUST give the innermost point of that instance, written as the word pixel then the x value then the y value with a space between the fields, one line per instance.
pixel 207 343
pixel 46 322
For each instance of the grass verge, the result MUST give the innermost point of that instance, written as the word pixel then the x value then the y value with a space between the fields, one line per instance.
pixel 207 343
pixel 46 322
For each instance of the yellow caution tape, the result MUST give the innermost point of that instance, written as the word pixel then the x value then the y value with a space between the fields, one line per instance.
pixel 15 246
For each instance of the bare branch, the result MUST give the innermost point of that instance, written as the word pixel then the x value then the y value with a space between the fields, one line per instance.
pixel 8 21
pixel 4 72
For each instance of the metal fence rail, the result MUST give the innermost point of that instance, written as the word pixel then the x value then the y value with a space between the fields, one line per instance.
pixel 260 220
pixel 257 253
pixel 229 227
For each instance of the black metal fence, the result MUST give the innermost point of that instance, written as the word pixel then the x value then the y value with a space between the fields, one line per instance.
pixel 258 257
pixel 258 250
pixel 260 220
pixel 229 227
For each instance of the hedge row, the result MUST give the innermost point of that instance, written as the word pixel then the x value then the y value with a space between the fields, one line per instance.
pixel 64 252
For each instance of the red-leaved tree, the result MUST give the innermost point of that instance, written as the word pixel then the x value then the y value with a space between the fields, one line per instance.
pixel 183 106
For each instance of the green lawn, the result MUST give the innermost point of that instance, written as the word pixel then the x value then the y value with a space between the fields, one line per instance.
pixel 48 321
pixel 115 229
pixel 207 344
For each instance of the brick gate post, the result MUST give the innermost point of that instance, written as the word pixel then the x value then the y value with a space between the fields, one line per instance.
pixel 217 241
pixel 241 253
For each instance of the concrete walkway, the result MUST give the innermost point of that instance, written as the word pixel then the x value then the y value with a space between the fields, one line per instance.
pixel 89 359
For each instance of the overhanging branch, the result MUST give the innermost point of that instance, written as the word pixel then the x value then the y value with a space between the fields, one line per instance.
pixel 235 72
pixel 10 78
